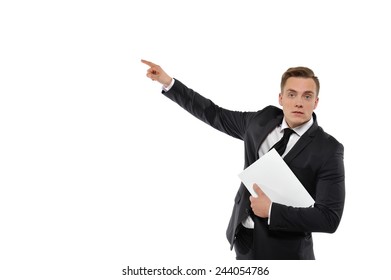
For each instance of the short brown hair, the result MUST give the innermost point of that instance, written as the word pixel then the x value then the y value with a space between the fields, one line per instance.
pixel 302 72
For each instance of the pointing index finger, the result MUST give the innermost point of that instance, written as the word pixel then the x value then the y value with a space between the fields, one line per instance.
pixel 150 64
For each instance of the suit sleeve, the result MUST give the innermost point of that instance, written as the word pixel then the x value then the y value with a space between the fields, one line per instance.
pixel 326 214
pixel 232 123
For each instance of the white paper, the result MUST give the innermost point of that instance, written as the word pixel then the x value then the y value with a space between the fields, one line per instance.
pixel 275 178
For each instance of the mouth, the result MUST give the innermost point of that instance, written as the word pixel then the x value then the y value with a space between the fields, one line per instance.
pixel 298 113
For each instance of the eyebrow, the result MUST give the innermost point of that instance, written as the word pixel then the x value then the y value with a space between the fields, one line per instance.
pixel 306 92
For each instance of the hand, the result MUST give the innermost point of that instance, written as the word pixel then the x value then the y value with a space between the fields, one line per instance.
pixel 156 73
pixel 260 204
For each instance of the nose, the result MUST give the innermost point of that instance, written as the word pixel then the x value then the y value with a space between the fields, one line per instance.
pixel 299 103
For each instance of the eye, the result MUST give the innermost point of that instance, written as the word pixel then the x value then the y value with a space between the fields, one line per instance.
pixel 308 97
pixel 291 94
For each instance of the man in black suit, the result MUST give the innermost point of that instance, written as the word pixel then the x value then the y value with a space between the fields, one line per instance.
pixel 260 228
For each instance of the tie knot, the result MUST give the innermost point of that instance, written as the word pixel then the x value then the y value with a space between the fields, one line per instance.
pixel 287 132
pixel 280 146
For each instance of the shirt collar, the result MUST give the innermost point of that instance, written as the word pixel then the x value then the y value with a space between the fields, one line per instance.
pixel 299 130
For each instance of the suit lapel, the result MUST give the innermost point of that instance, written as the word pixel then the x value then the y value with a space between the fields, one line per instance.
pixel 267 129
pixel 302 143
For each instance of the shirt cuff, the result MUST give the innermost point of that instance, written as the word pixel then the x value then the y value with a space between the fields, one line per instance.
pixel 270 212
pixel 169 86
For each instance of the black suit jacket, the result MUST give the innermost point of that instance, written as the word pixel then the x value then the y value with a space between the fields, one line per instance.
pixel 316 160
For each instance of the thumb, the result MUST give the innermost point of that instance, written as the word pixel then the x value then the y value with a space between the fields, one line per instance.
pixel 258 190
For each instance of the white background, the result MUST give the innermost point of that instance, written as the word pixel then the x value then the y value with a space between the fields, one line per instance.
pixel 99 171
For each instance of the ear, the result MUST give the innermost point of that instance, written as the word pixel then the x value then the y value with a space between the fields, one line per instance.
pixel 280 98
pixel 316 102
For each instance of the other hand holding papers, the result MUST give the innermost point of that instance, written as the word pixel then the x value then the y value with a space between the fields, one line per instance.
pixel 275 178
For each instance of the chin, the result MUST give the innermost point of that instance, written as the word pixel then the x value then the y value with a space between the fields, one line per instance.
pixel 297 122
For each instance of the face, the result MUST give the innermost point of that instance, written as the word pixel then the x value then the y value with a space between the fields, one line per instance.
pixel 298 100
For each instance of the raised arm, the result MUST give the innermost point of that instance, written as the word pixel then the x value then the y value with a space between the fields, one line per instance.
pixel 233 123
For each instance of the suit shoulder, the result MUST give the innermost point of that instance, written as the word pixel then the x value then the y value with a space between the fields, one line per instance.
pixel 269 111
pixel 265 115
pixel 329 140
pixel 272 110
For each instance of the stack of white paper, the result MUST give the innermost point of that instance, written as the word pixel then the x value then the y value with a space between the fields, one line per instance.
pixel 275 178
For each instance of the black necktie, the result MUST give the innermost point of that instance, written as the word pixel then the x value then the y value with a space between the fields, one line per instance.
pixel 280 146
